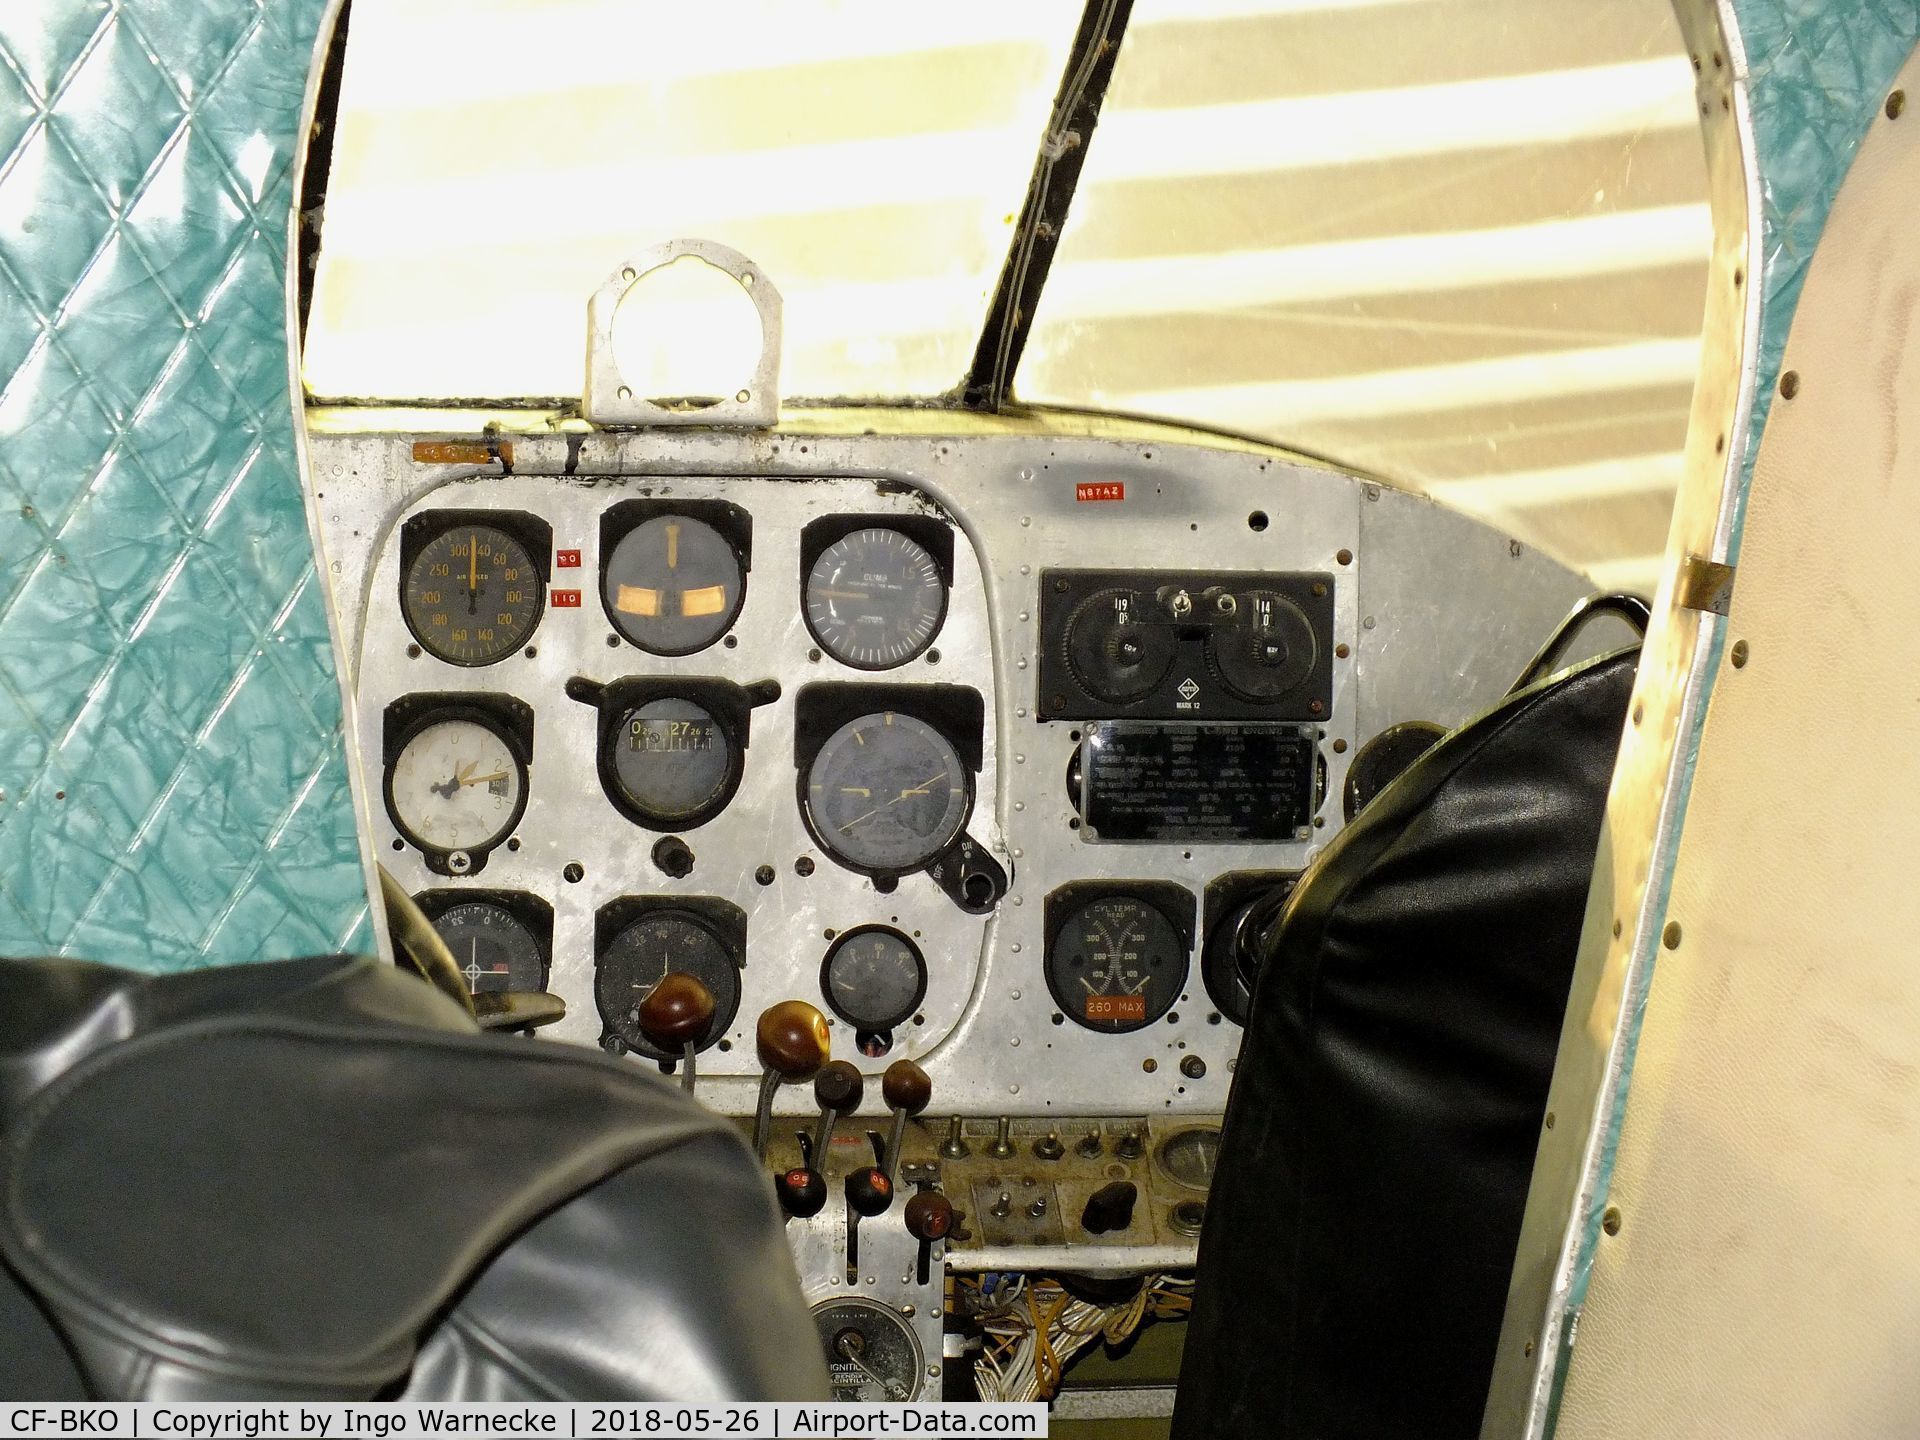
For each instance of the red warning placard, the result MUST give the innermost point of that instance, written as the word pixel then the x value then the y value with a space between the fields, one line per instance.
pixel 566 599
pixel 1100 490
pixel 1116 1007
pixel 566 559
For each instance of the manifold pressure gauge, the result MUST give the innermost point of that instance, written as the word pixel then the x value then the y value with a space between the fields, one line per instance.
pixel 875 599
pixel 887 793
pixel 472 595
pixel 457 786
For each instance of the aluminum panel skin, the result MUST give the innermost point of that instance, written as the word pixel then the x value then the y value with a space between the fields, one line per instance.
pixel 1437 615
pixel 173 786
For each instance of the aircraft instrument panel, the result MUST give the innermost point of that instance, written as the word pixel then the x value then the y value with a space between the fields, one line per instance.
pixel 984 747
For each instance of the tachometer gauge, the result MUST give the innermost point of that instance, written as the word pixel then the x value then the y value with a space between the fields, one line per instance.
pixel 457 785
pixel 641 955
pixel 472 595
pixel 874 978
pixel 673 585
pixel 872 1353
pixel 674 762
pixel 887 793
pixel 492 949
pixel 875 599
pixel 1116 964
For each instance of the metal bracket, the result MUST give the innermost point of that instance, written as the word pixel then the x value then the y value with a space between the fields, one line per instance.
pixel 1704 585
pixel 609 400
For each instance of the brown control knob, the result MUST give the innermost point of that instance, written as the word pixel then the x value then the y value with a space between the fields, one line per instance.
pixel 929 1216
pixel 839 1086
pixel 677 1012
pixel 929 1219
pixel 792 1040
pixel 906 1087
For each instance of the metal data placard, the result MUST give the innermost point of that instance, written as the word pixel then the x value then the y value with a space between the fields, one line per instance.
pixel 1196 782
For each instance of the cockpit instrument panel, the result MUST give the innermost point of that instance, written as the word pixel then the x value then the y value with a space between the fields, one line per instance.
pixel 957 738
pixel 1000 751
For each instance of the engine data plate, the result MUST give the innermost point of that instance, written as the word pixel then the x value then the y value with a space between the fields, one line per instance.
pixel 1196 782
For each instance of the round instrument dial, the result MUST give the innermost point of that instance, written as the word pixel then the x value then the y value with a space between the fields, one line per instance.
pixel 1116 964
pixel 674 763
pixel 457 784
pixel 1189 1157
pixel 673 585
pixel 887 793
pixel 1268 656
pixel 874 978
pixel 875 599
pixel 641 955
pixel 1117 648
pixel 492 948
pixel 472 595
pixel 872 1353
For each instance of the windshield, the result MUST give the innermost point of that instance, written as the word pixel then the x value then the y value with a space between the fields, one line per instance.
pixel 1459 244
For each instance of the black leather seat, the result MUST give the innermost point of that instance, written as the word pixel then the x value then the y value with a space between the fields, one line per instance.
pixel 317 1179
pixel 1389 1095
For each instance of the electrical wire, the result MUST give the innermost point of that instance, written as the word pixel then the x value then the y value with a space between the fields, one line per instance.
pixel 1032 1329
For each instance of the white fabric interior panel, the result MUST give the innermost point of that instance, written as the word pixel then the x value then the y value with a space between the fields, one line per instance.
pixel 1765 1277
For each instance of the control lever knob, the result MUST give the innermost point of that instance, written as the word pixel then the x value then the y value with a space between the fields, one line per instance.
pixel 802 1192
pixel 675 1017
pixel 908 1090
pixel 837 1090
pixel 1110 1208
pixel 791 1038
pixel 929 1218
pixel 869 1191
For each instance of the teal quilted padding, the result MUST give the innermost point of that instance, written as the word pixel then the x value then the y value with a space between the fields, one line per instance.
pixel 173 788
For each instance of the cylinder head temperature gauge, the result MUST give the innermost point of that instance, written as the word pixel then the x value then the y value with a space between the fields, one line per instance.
pixel 1116 964
pixel 457 787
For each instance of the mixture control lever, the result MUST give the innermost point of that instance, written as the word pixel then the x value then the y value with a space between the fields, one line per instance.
pixel 907 1090
pixel 676 1016
pixel 869 1193
pixel 929 1217
pixel 793 1044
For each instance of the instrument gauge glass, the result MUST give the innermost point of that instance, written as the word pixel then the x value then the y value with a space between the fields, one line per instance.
pixel 456 784
pixel 673 761
pixel 673 585
pixel 887 793
pixel 874 978
pixel 875 599
pixel 472 595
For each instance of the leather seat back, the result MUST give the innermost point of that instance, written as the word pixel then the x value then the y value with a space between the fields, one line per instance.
pixel 1389 1094
pixel 316 1179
